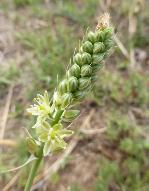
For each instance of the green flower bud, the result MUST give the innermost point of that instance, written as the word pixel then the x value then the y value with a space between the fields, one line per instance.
pixel 100 36
pixel 86 70
pixel 79 95
pixel 77 59
pixel 66 100
pixel 84 83
pixel 75 70
pixel 109 44
pixel 71 114
pixel 91 37
pixel 31 145
pixel 63 87
pixel 57 99
pixel 105 34
pixel 73 83
pixel 94 78
pixel 98 58
pixel 86 58
pixel 98 47
pixel 108 33
pixel 87 47
pixel 96 67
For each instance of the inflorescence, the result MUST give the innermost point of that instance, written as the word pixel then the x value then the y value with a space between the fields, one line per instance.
pixel 78 82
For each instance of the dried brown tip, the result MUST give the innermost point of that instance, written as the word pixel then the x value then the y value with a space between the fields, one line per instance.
pixel 103 22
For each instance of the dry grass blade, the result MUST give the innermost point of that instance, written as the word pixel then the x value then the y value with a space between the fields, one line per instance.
pixel 121 47
pixel 8 142
pixel 105 4
pixel 11 182
pixel 93 131
pixel 87 119
pixel 134 14
pixel 6 111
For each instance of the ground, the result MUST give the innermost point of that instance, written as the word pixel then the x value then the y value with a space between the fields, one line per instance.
pixel 110 147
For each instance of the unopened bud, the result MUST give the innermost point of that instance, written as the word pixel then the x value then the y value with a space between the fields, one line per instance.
pixel 94 78
pixel 75 70
pixel 79 95
pixel 87 47
pixel 63 87
pixel 98 58
pixel 66 100
pixel 86 58
pixel 109 44
pixel 84 83
pixel 97 67
pixel 98 47
pixel 73 83
pixel 108 33
pixel 91 37
pixel 77 59
pixel 86 70
pixel 100 36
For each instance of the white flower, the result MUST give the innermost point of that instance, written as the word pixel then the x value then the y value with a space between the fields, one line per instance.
pixel 41 107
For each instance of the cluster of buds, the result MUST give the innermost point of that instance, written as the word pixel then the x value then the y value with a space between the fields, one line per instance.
pixel 78 82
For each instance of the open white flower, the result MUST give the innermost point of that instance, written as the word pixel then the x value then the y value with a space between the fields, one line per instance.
pixel 42 106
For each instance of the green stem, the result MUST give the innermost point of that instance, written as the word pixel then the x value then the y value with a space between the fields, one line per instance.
pixel 57 117
pixel 34 170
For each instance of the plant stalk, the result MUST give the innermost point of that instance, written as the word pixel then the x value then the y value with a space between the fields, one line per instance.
pixel 33 171
pixel 57 117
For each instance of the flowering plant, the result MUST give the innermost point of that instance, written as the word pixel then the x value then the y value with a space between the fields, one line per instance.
pixel 78 82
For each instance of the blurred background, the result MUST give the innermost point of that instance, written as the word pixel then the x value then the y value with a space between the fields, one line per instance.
pixel 110 148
